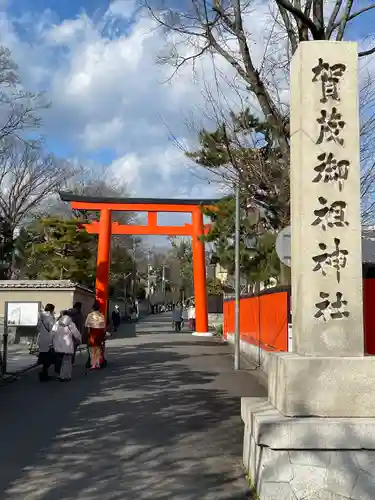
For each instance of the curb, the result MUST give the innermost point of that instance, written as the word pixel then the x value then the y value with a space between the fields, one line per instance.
pixel 12 377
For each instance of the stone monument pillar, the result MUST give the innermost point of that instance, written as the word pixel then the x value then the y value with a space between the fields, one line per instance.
pixel 317 428
pixel 325 201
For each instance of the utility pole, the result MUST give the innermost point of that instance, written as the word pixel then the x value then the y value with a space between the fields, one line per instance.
pixel 134 269
pixel 126 276
pixel 236 255
pixel 163 279
pixel 148 273
pixel 237 280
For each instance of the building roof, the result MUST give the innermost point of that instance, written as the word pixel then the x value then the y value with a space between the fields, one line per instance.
pixel 41 284
pixel 66 196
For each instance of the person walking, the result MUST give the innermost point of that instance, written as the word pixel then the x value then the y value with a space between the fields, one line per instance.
pixel 116 318
pixel 45 356
pixel 191 316
pixel 95 322
pixel 64 335
pixel 177 317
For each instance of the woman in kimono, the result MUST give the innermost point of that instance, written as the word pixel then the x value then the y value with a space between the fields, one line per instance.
pixel 64 336
pixel 95 323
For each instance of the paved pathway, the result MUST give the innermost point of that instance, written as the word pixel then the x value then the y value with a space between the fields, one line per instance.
pixel 19 358
pixel 161 422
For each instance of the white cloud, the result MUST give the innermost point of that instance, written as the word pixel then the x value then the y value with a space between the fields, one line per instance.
pixel 68 31
pixel 127 168
pixel 107 91
pixel 123 8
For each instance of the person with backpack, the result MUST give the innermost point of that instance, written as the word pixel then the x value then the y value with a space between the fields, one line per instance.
pixel 46 354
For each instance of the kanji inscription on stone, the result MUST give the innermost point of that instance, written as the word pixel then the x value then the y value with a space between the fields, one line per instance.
pixel 328 310
pixel 329 77
pixel 337 259
pixel 330 214
pixel 331 125
pixel 331 170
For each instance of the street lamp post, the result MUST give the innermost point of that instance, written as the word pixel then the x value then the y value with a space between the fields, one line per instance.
pixel 134 269
pixel 237 281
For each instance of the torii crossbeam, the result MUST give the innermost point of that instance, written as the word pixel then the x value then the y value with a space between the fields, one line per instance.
pixel 105 228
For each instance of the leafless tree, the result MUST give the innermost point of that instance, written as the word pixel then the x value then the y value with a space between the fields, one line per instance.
pixel 19 109
pixel 97 181
pixel 367 106
pixel 261 68
pixel 216 27
pixel 27 177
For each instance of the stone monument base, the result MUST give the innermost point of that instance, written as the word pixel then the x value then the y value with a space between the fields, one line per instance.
pixel 322 386
pixel 310 458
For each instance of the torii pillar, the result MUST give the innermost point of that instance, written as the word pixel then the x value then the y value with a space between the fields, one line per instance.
pixel 103 259
pixel 199 273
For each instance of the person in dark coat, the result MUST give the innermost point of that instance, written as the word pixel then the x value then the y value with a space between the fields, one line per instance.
pixel 116 318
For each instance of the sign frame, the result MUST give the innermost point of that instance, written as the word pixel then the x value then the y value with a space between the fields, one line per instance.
pixel 4 356
pixel 280 245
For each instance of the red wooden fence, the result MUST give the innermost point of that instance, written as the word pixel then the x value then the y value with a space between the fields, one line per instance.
pixel 264 318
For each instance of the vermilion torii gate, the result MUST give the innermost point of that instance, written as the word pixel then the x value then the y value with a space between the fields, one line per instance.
pixel 105 228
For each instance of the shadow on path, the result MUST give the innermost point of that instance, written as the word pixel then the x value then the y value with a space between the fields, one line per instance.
pixel 161 422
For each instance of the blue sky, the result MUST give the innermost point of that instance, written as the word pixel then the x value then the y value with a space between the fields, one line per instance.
pixel 96 61
pixel 111 106
pixel 63 9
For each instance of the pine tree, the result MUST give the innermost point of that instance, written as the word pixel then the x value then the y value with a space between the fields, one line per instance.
pixel 245 151
pixel 58 248
pixel 61 249
pixel 258 258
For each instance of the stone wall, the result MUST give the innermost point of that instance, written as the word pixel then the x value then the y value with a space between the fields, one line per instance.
pixel 307 458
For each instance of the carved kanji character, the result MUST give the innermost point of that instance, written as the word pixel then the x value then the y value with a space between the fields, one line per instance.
pixel 331 125
pixel 329 77
pixel 336 260
pixel 331 170
pixel 331 310
pixel 332 215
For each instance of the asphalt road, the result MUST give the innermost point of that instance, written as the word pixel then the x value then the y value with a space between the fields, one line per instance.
pixel 162 421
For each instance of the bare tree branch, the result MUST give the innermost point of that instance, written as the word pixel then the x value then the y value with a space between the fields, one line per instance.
pixel 331 26
pixel 289 28
pixel 317 33
pixel 222 29
pixel 354 15
pixel 367 52
pixel 344 20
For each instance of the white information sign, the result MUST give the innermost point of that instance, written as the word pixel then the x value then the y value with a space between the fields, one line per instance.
pixel 284 245
pixel 22 313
